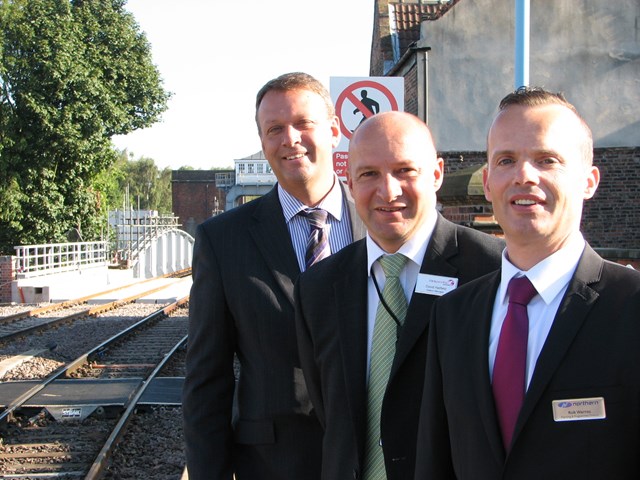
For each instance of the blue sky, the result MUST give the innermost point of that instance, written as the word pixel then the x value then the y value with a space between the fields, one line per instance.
pixel 214 56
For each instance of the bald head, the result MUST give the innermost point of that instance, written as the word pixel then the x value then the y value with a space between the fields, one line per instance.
pixel 393 175
pixel 392 127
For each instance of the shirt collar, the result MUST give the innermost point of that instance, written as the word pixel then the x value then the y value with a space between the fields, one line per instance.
pixel 332 202
pixel 414 248
pixel 549 276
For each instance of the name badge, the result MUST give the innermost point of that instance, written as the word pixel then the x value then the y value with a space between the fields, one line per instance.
pixel 435 284
pixel 577 409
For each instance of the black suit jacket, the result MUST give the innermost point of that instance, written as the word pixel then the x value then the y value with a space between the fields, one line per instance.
pixel 592 350
pixel 244 269
pixel 331 318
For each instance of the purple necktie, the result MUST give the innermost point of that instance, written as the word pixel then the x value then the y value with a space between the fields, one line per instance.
pixel 511 357
pixel 318 241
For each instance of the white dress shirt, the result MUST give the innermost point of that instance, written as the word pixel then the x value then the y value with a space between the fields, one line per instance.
pixel 414 249
pixel 338 226
pixel 551 278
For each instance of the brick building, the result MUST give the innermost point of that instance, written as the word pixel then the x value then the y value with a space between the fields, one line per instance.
pixel 457 64
pixel 199 194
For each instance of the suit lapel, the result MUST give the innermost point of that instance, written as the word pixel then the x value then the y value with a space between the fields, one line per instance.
pixel 574 308
pixel 271 236
pixel 442 246
pixel 351 305
pixel 482 303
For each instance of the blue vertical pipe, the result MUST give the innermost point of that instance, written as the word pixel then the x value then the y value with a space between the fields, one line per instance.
pixel 522 43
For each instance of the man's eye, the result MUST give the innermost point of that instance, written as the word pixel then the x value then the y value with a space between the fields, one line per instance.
pixel 549 161
pixel 304 125
pixel 368 174
pixel 504 161
pixel 408 172
pixel 274 130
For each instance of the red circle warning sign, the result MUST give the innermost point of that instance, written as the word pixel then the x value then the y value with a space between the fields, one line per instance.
pixel 349 94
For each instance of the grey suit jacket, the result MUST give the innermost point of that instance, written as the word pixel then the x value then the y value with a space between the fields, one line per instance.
pixel 331 319
pixel 592 350
pixel 241 303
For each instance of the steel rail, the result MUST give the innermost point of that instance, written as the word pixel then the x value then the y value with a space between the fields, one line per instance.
pixel 95 310
pixel 82 359
pixel 77 301
pixel 101 461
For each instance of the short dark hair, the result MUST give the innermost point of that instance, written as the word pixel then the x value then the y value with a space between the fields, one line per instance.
pixel 296 81
pixel 536 97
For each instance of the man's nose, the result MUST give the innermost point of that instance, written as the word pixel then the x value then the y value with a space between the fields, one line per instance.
pixel 390 188
pixel 290 136
pixel 526 172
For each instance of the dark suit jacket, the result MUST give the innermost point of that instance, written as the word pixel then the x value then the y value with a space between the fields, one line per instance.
pixel 331 318
pixel 593 350
pixel 244 269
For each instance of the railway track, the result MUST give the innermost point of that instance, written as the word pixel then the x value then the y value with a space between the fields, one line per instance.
pixel 51 316
pixel 68 424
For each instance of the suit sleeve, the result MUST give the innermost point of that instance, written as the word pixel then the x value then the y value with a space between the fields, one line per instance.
pixel 210 382
pixel 306 351
pixel 433 452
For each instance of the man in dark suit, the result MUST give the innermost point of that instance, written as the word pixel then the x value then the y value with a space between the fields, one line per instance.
pixel 393 175
pixel 245 263
pixel 570 408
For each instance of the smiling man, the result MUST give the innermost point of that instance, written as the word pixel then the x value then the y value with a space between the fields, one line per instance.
pixel 245 263
pixel 545 380
pixel 362 351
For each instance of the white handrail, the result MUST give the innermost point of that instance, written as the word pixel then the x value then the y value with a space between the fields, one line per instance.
pixel 34 260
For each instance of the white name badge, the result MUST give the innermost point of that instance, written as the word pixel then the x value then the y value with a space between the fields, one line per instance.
pixel 435 284
pixel 577 409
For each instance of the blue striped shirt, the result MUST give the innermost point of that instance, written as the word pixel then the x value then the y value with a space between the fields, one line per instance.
pixel 338 221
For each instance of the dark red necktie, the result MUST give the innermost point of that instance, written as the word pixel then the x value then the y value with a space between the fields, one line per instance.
pixel 511 357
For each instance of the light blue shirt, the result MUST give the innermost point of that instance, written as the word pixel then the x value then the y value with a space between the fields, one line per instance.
pixel 338 225
pixel 551 278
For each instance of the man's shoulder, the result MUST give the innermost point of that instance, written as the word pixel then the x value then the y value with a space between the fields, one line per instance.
pixel 483 286
pixel 235 216
pixel 337 262
pixel 483 239
pixel 620 278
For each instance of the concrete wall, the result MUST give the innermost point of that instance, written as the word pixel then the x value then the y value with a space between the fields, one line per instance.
pixel 588 49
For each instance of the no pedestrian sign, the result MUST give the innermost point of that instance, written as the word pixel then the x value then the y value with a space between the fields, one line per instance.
pixel 356 99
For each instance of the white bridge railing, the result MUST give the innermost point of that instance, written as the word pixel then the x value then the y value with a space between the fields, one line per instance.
pixel 34 260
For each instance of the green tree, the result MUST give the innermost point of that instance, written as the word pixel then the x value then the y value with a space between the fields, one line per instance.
pixel 72 75
pixel 148 187
pixel 164 196
pixel 141 178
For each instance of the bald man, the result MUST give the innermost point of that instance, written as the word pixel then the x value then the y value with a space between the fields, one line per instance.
pixel 393 175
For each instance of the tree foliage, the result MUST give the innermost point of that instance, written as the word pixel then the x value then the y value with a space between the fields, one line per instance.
pixel 72 75
pixel 148 187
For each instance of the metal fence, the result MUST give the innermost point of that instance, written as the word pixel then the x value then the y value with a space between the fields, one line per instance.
pixel 34 260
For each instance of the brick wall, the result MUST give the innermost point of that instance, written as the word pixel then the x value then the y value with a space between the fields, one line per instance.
pixel 410 87
pixel 194 194
pixel 381 43
pixel 610 220
pixel 7 275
